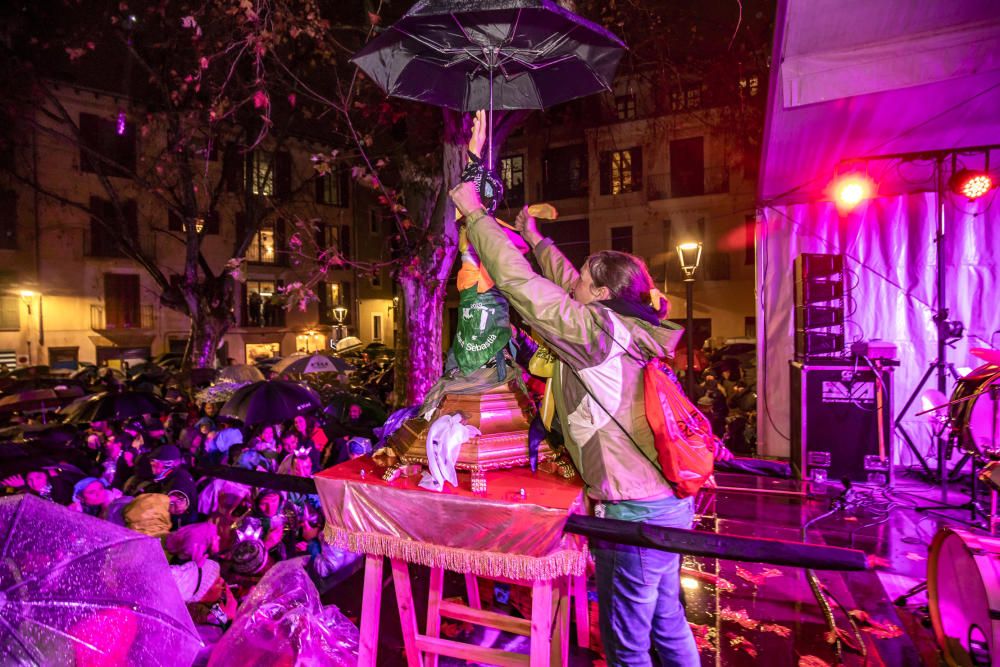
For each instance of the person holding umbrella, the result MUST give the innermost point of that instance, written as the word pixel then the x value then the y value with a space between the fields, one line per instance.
pixel 602 322
pixel 172 478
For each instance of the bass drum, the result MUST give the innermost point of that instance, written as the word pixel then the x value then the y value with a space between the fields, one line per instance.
pixel 963 590
pixel 972 417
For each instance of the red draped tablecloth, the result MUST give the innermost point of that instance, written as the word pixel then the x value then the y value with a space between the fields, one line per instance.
pixel 498 534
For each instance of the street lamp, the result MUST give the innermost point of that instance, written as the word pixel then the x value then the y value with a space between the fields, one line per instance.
pixel 689 255
pixel 27 296
pixel 340 314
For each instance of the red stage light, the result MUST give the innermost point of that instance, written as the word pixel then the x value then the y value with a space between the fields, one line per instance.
pixel 971 184
pixel 851 190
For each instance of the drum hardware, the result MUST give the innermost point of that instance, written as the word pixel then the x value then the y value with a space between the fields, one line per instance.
pixel 941 365
pixel 964 420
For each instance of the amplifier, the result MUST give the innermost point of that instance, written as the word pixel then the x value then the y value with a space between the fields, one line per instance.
pixel 836 422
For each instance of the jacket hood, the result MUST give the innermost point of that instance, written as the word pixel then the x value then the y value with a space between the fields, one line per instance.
pixel 654 340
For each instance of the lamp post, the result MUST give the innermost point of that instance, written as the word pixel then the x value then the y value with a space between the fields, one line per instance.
pixel 339 314
pixel 689 255
pixel 26 297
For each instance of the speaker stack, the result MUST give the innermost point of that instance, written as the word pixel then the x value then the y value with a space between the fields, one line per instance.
pixel 820 295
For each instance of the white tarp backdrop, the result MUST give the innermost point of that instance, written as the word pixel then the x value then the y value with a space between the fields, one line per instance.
pixel 859 78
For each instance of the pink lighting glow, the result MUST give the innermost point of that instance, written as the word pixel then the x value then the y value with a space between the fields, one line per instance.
pixel 851 190
pixel 971 184
pixel 120 124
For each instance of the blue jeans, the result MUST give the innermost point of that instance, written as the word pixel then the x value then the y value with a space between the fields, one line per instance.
pixel 638 590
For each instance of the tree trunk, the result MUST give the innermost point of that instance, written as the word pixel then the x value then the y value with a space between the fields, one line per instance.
pixel 206 336
pixel 423 361
pixel 424 281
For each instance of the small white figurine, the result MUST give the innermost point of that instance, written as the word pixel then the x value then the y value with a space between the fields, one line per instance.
pixel 444 440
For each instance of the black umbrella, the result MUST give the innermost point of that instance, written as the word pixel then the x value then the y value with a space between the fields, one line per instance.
pixel 492 54
pixel 114 406
pixel 270 401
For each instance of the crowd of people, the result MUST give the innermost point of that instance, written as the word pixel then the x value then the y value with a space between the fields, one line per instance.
pixel 153 474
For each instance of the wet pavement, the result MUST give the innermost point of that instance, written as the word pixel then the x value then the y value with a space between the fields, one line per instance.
pixel 752 613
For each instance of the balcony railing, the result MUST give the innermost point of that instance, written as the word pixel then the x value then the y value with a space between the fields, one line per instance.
pixel 715 181
pixel 101 246
pixel 141 318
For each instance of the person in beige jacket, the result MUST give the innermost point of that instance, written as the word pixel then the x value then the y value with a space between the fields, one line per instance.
pixel 601 324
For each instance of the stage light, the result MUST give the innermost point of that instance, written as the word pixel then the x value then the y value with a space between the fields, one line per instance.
pixel 971 184
pixel 851 190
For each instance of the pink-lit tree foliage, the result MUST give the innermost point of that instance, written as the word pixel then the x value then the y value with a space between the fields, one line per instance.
pixel 196 80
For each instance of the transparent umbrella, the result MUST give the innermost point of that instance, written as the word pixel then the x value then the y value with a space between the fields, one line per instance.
pixel 75 590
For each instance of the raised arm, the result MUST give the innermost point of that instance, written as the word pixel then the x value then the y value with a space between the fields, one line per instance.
pixel 565 324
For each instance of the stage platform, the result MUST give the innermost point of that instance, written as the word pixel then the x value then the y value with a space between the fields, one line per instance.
pixel 747 613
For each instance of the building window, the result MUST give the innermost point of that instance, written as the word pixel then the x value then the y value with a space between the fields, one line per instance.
pixel 260 173
pixel 687 167
pixel 621 171
pixel 750 85
pixel 750 327
pixel 512 175
pixel 108 143
pixel 332 295
pixel 565 172
pixel 572 237
pixel 64 357
pixel 332 188
pixel 258 351
pixel 8 360
pixel 205 225
pixel 264 306
pixel 625 107
pixel 377 278
pixel 8 219
pixel 716 265
pixel 122 305
pixel 685 100
pixel 621 239
pixel 107 234
pixel 262 248
pixel 376 326
pixel 10 313
pixel 750 252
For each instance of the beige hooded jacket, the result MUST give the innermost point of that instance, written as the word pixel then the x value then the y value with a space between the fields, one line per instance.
pixel 611 464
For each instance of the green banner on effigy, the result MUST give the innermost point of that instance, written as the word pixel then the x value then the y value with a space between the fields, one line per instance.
pixel 483 327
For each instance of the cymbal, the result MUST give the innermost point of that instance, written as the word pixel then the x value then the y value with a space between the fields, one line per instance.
pixel 987 355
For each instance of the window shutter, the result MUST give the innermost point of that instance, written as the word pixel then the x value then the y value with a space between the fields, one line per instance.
pixel 345 240
pixel 281 255
pixel 323 303
pixel 283 174
pixel 212 222
pixel 131 212
pixel 320 182
pixel 345 187
pixel 174 222
pixel 636 169
pixel 241 229
pixel 605 173
pixel 90 139
pixel 8 219
pixel 232 168
pixel 347 302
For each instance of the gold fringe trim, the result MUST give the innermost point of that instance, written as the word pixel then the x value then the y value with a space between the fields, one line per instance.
pixel 567 561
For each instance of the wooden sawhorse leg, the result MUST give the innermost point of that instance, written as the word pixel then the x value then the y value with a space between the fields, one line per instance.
pixel 371 607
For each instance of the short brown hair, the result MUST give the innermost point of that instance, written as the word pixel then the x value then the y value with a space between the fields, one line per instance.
pixel 625 276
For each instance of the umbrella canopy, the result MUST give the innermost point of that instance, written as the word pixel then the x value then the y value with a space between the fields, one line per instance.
pixel 338 408
pixel 310 363
pixel 535 53
pixel 79 590
pixel 240 373
pixel 114 406
pixel 39 400
pixel 347 343
pixel 270 401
